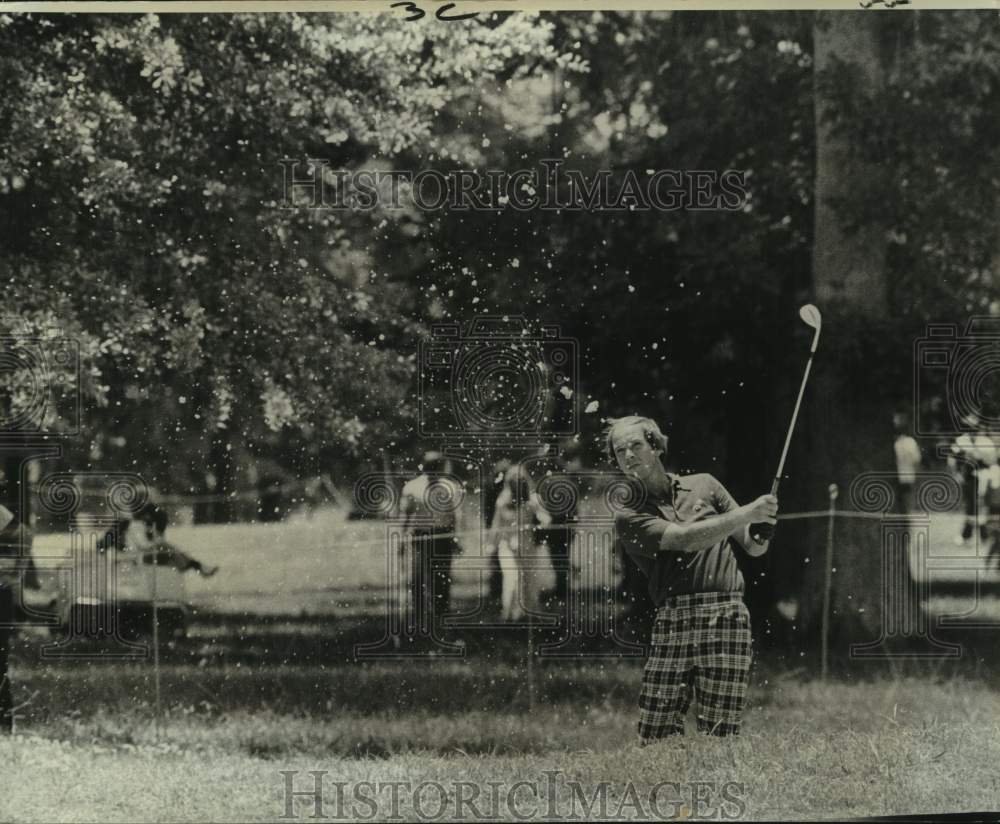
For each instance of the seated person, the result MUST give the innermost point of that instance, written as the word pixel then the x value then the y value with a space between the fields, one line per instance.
pixel 989 483
pixel 154 519
pixel 17 567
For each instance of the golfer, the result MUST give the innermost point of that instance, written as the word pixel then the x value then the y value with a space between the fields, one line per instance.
pixel 682 531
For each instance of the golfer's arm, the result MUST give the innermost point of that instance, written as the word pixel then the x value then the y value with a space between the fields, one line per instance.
pixel 702 534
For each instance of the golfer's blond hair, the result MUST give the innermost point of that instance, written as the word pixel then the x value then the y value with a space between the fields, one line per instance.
pixel 650 430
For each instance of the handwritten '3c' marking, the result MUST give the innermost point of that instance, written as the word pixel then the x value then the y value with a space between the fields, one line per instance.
pixel 417 13
pixel 412 8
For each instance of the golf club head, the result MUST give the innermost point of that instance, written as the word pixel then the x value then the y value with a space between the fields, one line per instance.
pixel 811 317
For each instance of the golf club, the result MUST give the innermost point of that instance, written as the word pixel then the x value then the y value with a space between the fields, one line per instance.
pixel 811 317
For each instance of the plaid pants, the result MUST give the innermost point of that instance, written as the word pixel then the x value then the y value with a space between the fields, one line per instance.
pixel 701 643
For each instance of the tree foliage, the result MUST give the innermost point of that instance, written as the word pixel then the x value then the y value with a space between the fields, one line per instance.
pixel 140 199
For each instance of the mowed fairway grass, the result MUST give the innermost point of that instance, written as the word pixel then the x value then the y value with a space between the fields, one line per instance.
pixel 88 748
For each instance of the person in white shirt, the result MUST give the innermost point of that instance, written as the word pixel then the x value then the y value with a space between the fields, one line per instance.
pixel 989 483
pixel 970 453
pixel 908 458
pixel 518 516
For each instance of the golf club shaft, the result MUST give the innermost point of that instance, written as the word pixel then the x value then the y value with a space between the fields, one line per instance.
pixel 791 428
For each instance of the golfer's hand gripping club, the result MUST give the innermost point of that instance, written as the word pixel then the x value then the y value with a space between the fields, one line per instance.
pixel 764 512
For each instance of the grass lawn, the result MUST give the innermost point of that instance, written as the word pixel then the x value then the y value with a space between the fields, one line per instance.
pixel 809 750
pixel 90 748
pixel 317 565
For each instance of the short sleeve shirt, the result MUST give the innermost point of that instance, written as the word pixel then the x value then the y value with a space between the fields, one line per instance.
pixel 907 458
pixel 978 449
pixel 639 530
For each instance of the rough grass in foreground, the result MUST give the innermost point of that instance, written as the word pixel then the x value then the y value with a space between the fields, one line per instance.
pixel 808 751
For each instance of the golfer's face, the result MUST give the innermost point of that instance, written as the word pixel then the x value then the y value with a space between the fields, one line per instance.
pixel 634 454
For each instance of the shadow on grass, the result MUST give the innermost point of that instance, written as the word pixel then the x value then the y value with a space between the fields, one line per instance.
pixel 270 735
pixel 365 689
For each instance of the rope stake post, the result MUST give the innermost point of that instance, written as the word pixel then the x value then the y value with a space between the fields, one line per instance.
pixel 531 664
pixel 828 580
pixel 156 647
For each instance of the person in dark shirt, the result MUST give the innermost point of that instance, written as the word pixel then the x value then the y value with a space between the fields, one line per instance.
pixel 431 506
pixel 682 532
pixel 491 494
pixel 17 570
pixel 565 464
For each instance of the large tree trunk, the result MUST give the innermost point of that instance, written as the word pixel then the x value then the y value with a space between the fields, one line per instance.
pixel 848 418
pixel 849 268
